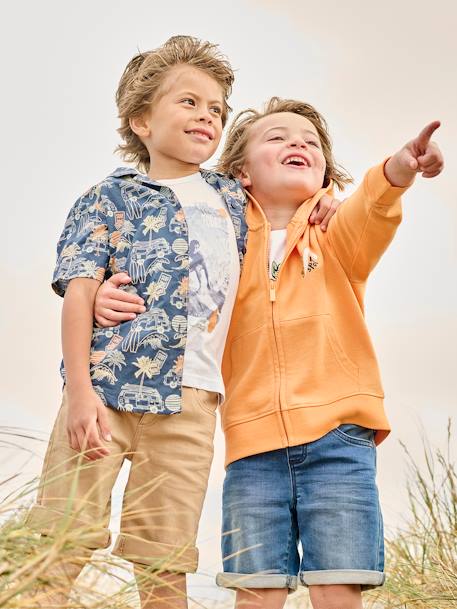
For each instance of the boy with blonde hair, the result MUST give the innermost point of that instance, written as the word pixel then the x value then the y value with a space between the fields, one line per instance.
pixel 148 389
pixel 304 408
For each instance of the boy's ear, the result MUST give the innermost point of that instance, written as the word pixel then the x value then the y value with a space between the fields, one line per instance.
pixel 139 126
pixel 244 178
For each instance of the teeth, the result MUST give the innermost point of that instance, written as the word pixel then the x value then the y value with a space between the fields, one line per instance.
pixel 295 159
pixel 199 133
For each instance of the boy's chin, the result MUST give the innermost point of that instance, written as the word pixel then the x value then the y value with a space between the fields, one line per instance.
pixel 197 157
pixel 297 192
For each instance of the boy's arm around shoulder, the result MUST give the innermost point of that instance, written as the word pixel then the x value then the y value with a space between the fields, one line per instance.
pixel 364 226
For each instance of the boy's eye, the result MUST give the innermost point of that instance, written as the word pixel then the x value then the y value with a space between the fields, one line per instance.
pixel 275 137
pixel 189 100
pixel 216 109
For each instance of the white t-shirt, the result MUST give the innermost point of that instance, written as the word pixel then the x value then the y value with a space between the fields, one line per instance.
pixel 214 274
pixel 278 240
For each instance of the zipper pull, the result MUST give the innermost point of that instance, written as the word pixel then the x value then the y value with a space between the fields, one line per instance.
pixel 272 291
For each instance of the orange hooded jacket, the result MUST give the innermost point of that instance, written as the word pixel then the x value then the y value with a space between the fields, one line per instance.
pixel 298 360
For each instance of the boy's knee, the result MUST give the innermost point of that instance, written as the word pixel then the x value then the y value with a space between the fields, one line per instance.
pixel 347 596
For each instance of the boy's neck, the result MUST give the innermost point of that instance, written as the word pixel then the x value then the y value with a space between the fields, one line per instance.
pixel 279 216
pixel 280 207
pixel 171 171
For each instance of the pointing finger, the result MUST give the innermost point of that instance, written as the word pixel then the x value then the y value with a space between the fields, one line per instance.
pixel 424 136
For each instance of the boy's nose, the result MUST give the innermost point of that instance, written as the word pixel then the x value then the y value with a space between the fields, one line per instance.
pixel 297 143
pixel 205 116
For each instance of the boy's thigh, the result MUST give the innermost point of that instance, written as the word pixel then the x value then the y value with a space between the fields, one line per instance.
pixel 72 485
pixel 338 511
pixel 167 484
pixel 259 534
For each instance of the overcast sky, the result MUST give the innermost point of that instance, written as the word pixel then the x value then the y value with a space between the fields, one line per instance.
pixel 377 71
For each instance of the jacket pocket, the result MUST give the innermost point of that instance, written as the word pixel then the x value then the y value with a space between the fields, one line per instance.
pixel 250 385
pixel 317 369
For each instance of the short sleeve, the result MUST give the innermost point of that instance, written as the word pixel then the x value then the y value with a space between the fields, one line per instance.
pixel 83 249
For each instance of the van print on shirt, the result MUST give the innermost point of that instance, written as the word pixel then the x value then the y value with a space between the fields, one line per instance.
pixel 209 269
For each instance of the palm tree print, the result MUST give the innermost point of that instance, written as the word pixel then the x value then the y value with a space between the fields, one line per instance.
pixel 146 367
pixel 71 251
pixel 152 224
pixel 114 359
pixel 93 271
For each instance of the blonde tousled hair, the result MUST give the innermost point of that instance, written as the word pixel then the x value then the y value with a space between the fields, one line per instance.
pixel 234 152
pixel 141 82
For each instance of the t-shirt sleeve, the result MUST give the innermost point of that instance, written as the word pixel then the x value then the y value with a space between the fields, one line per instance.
pixel 83 249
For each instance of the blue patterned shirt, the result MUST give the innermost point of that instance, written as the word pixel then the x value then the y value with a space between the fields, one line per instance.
pixel 130 223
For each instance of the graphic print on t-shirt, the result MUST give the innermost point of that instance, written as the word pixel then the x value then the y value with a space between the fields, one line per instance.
pixel 209 265
pixel 277 249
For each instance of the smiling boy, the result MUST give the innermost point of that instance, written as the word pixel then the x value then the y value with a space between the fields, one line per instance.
pixel 304 409
pixel 147 390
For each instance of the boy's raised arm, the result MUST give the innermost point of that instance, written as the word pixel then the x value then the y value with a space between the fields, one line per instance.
pixel 364 226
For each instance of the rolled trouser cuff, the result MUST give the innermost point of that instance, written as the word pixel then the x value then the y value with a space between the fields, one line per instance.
pixel 47 521
pixel 366 579
pixel 257 580
pixel 156 555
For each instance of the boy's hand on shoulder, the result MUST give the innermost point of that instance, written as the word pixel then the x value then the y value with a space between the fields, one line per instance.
pixel 87 424
pixel 324 210
pixel 420 155
pixel 113 305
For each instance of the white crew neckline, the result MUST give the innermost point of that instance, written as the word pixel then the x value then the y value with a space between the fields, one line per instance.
pixel 193 177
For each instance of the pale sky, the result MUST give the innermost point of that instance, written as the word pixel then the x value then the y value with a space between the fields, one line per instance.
pixel 378 73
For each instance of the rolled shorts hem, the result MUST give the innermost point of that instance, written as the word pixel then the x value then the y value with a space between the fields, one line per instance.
pixel 47 521
pixel 366 579
pixel 157 555
pixel 257 580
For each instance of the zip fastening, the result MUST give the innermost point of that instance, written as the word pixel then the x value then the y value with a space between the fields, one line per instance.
pixel 272 290
pixel 273 284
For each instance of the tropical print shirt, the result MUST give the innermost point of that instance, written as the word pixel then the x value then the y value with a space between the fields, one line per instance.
pixel 130 223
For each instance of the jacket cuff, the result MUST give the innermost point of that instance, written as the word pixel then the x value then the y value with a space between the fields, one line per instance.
pixel 380 190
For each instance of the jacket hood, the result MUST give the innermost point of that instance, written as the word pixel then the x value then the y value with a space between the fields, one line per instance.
pixel 257 217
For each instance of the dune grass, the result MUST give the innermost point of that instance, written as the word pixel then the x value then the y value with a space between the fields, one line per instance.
pixel 421 556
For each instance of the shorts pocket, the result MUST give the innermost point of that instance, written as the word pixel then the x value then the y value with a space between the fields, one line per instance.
pixel 206 400
pixel 355 434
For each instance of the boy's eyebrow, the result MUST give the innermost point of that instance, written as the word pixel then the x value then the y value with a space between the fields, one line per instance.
pixel 285 129
pixel 193 94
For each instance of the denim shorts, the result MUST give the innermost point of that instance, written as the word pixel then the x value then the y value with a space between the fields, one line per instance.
pixel 305 514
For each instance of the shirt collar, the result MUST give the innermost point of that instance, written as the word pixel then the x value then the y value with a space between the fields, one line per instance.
pixel 225 185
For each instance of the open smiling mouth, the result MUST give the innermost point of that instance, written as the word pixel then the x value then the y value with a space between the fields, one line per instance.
pixel 204 136
pixel 296 161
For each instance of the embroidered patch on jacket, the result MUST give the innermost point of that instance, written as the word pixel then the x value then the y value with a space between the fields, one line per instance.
pixel 310 261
